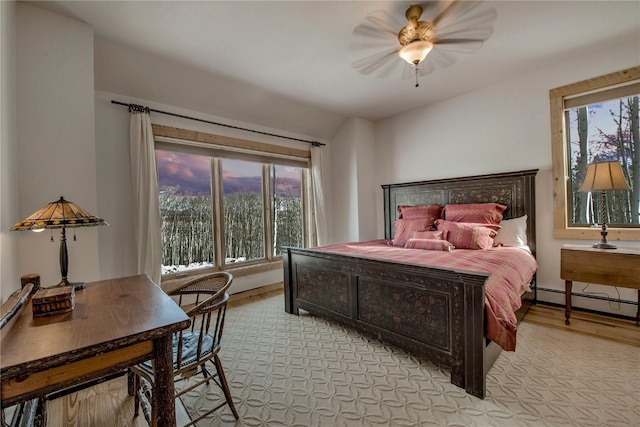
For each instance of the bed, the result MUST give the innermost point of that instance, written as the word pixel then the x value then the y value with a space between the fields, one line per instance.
pixel 434 312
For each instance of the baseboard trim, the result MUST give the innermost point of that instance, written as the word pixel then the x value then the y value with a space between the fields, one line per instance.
pixel 256 291
pixel 588 310
pixel 583 295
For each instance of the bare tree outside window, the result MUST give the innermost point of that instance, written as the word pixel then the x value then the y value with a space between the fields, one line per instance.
pixel 194 229
pixel 604 131
pixel 243 210
pixel 286 195
pixel 184 186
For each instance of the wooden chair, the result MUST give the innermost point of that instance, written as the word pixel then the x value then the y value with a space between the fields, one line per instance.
pixel 204 299
pixel 32 412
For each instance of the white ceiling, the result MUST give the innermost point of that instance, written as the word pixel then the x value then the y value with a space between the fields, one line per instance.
pixel 299 49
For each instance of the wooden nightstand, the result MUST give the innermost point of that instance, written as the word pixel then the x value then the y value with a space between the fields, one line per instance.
pixel 613 267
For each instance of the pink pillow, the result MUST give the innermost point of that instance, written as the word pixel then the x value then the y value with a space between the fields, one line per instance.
pixel 424 211
pixel 406 227
pixel 468 235
pixel 438 235
pixel 484 213
pixel 429 244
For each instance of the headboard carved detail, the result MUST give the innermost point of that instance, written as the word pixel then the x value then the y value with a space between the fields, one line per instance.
pixel 516 190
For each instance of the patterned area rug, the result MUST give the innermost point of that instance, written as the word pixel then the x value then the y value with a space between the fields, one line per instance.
pixel 286 370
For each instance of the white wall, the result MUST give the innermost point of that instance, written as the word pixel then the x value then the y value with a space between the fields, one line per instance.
pixel 55 132
pixel 127 71
pixel 501 128
pixel 367 208
pixel 9 213
pixel 345 194
pixel 352 157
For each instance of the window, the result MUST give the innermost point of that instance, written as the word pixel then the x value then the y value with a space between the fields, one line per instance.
pixel 184 187
pixel 591 121
pixel 286 199
pixel 221 209
pixel 243 210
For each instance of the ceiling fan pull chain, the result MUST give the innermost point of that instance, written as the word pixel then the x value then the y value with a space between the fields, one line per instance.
pixel 415 67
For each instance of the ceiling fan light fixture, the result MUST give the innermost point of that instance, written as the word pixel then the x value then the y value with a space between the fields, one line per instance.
pixel 415 52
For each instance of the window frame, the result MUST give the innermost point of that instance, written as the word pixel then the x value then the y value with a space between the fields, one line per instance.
pixel 560 161
pixel 219 147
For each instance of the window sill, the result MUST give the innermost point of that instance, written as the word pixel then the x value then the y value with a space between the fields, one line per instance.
pixel 171 280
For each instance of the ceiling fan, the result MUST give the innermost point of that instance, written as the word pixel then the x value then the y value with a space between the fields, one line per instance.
pixel 386 46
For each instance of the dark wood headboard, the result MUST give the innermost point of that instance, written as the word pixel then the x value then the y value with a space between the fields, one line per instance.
pixel 516 190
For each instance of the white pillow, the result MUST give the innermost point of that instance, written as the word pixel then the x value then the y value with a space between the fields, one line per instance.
pixel 513 232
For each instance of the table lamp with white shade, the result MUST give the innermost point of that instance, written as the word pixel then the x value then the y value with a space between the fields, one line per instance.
pixel 602 177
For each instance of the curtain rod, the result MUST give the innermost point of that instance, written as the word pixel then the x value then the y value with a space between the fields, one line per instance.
pixel 140 108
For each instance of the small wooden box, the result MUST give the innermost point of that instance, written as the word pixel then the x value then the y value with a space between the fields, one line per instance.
pixel 51 301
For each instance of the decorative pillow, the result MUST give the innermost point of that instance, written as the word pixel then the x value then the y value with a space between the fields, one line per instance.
pixel 429 244
pixel 443 225
pixel 438 235
pixel 513 232
pixel 483 213
pixel 424 211
pixel 468 235
pixel 404 229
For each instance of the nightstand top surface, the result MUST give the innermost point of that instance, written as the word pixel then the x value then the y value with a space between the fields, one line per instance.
pixel 589 248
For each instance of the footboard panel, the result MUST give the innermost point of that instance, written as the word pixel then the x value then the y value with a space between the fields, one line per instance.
pixel 326 288
pixel 412 313
pixel 434 313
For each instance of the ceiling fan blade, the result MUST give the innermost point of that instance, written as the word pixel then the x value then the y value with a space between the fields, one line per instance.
pixel 451 9
pixel 468 20
pixel 374 44
pixel 437 60
pixel 458 45
pixel 379 64
pixel 379 25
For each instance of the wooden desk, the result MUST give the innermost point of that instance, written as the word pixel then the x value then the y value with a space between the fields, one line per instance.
pixel 116 323
pixel 613 267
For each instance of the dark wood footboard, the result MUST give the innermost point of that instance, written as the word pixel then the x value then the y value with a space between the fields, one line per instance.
pixel 433 313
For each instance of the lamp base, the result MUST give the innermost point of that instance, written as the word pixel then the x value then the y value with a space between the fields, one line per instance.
pixel 604 245
pixel 77 286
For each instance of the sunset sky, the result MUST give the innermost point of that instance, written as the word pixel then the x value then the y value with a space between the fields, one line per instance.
pixel 191 173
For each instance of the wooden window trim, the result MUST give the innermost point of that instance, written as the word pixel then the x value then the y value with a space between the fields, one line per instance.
pixel 557 98
pixel 229 142
pixel 170 280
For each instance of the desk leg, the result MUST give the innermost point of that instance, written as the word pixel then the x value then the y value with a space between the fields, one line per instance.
pixel 163 408
pixel 638 313
pixel 568 284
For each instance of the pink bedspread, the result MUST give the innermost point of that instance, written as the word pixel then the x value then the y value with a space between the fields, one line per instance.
pixel 511 271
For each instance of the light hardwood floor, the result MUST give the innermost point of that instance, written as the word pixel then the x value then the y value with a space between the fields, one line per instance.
pixel 611 328
pixel 108 404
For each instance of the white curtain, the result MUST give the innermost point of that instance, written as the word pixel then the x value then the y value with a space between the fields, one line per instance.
pixel 319 223
pixel 147 222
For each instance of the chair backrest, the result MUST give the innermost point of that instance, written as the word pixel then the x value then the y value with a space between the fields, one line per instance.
pixel 204 300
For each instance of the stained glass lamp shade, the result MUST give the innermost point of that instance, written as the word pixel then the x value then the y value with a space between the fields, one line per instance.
pixel 60 214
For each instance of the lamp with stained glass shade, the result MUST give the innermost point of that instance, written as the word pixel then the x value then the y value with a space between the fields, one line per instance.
pixel 60 214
